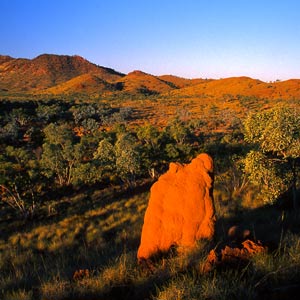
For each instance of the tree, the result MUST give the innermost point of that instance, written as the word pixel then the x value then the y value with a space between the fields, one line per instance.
pixel 64 158
pixel 105 157
pixel 19 180
pixel 90 126
pixel 58 157
pixel 149 135
pixel 83 112
pixel 48 112
pixel 151 142
pixel 178 131
pixel 274 163
pixel 20 116
pixel 10 131
pixel 178 143
pixel 128 163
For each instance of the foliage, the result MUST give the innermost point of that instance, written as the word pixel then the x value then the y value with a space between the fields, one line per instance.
pixel 127 158
pixel 10 131
pixel 271 176
pixel 48 112
pixel 274 164
pixel 63 157
pixel 276 131
pixel 105 157
pixel 100 223
pixel 83 112
pixel 178 131
pixel 152 142
pixel 19 180
pixel 149 135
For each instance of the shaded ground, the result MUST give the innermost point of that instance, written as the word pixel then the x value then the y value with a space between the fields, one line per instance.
pixel 99 230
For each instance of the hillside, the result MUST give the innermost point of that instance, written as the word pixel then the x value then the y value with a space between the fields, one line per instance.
pixel 81 146
pixel 140 82
pixel 244 86
pixel 5 58
pixel 86 83
pixel 64 74
pixel 46 71
pixel 180 82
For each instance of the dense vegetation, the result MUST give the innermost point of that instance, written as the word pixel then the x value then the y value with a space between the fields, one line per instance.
pixel 55 144
pixel 74 179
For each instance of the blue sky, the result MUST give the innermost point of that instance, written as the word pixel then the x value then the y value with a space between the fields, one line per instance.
pixel 188 38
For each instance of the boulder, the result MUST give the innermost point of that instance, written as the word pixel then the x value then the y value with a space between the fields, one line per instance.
pixel 180 209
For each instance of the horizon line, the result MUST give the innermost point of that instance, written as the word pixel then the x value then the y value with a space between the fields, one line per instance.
pixel 278 79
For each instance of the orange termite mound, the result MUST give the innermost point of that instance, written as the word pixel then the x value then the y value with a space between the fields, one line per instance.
pixel 180 209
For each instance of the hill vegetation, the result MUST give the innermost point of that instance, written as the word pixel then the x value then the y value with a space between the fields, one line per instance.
pixel 55 72
pixel 80 146
pixel 44 71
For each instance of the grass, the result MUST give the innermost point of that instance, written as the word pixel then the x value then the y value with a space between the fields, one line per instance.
pixel 97 232
pixel 90 233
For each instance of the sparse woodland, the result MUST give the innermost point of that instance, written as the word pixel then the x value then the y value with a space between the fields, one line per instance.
pixel 75 175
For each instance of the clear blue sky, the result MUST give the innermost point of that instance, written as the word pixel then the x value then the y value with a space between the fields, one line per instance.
pixel 188 38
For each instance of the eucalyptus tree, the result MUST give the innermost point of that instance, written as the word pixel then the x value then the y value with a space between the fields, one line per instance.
pixel 19 180
pixel 66 157
pixel 274 163
pixel 105 158
pixel 128 163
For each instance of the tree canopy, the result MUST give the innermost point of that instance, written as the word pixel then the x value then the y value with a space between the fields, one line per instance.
pixel 273 164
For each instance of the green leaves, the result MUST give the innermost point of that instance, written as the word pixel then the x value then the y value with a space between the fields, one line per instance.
pixel 105 157
pixel 270 174
pixel 178 131
pixel 63 157
pixel 123 157
pixel 19 179
pixel 66 158
pixel 276 131
pixel 275 163
pixel 149 135
pixel 127 157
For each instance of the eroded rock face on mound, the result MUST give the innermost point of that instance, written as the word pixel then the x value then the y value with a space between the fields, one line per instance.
pixel 181 209
pixel 233 255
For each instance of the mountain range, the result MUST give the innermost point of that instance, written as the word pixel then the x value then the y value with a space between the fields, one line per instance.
pixel 64 74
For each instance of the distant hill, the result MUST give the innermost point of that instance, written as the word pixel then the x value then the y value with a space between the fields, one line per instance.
pixel 243 86
pixel 46 71
pixel 5 58
pixel 86 83
pixel 180 82
pixel 64 74
pixel 140 82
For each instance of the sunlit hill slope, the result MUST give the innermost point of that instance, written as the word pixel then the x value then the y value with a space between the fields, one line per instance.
pixel 45 71
pixel 243 86
pixel 63 74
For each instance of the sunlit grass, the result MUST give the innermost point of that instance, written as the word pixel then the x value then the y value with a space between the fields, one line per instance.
pixel 100 233
pixel 48 253
pixel 19 294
